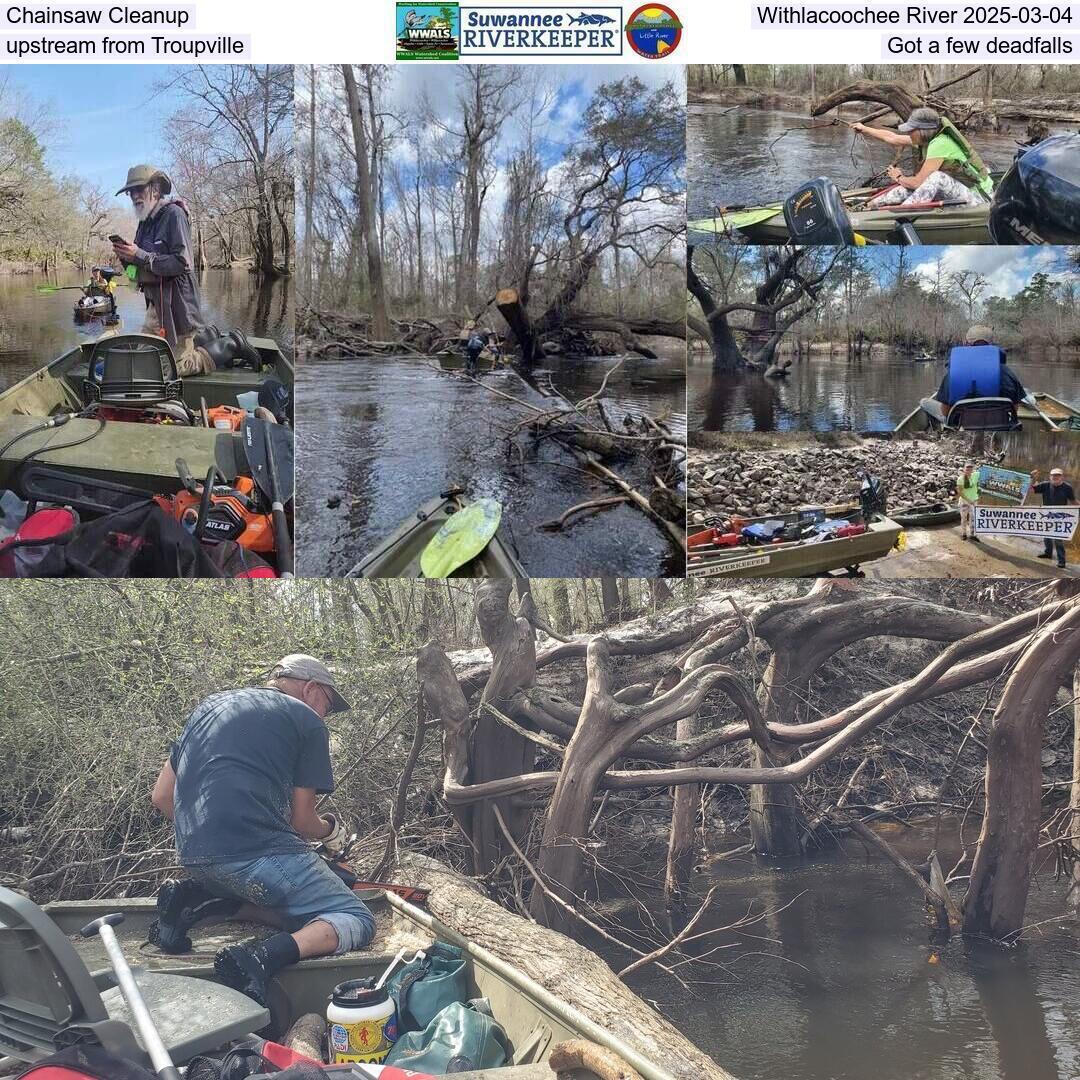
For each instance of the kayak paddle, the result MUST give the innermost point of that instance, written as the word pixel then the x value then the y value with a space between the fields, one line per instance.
pixel 48 290
pixel 269 451
pixel 739 219
pixel 461 538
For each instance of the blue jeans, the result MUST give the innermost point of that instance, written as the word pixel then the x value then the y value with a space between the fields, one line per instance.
pixel 1055 547
pixel 299 888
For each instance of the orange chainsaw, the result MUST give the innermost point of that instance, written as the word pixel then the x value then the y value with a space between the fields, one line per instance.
pixel 215 510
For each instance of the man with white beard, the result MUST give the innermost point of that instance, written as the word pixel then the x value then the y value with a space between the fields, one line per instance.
pixel 161 254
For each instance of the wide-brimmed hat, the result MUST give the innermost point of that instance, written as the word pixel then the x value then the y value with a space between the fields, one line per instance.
pixel 141 175
pixel 921 119
pixel 305 667
pixel 978 332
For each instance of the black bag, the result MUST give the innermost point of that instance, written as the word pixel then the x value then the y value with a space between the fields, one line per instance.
pixel 141 541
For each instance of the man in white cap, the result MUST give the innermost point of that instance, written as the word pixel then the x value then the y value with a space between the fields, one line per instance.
pixel 240 787
pixel 1055 492
pixel 165 270
pixel 1009 386
pixel 950 170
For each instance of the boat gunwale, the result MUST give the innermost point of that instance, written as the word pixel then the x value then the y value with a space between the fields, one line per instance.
pixel 79 911
pixel 710 563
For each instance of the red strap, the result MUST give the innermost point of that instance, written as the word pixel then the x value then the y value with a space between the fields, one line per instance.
pixel 283 1057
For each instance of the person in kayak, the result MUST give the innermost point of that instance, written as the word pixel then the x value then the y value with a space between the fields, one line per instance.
pixel 1009 385
pixel 99 284
pixel 1055 492
pixel 162 257
pixel 240 787
pixel 950 169
pixel 967 493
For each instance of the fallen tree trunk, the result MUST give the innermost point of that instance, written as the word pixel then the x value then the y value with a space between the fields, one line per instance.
pixel 561 966
pixel 857 91
pixel 899 99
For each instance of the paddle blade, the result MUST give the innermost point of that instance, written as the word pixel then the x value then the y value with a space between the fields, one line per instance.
pixel 461 538
pixel 281 441
pixel 737 219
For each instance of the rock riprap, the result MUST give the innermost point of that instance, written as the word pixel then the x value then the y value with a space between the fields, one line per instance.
pixel 753 483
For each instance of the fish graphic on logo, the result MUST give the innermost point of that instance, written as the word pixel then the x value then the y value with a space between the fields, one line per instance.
pixel 590 20
pixel 654 30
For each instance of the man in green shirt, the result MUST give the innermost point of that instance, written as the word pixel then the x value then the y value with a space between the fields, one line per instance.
pixel 967 490
pixel 951 170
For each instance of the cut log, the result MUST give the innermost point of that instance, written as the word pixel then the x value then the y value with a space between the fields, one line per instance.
pixel 307 1036
pixel 508 301
pixel 560 965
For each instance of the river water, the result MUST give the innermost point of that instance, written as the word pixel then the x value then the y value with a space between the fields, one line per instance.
pixel 36 328
pixel 388 433
pixel 830 393
pixel 729 161
pixel 840 980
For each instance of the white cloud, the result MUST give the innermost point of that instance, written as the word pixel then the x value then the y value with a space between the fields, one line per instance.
pixel 1007 269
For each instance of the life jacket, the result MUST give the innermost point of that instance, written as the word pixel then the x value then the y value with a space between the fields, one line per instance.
pixel 972 172
pixel 974 372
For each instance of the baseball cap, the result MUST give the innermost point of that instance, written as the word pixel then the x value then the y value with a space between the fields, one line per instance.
pixel 1056 472
pixel 307 668
pixel 978 332
pixel 921 119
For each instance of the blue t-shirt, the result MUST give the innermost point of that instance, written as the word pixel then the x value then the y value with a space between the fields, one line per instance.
pixel 239 757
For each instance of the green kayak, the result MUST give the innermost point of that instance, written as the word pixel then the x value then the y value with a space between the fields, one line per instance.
pixel 936 225
pixel 402 553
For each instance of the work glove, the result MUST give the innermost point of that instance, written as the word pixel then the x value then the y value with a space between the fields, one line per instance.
pixel 334 842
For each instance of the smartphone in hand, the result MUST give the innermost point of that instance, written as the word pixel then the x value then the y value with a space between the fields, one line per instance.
pixel 116 239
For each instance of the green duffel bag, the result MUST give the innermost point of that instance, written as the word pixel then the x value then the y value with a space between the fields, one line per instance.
pixel 423 988
pixel 459 1039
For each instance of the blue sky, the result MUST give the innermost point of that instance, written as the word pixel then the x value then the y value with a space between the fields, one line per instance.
pixel 1007 269
pixel 567 90
pixel 110 116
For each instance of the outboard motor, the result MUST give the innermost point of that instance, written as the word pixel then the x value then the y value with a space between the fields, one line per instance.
pixel 815 214
pixel 1038 199
pixel 873 495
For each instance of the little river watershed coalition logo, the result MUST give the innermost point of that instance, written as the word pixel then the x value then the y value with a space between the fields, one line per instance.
pixel 540 30
pixel 654 31
pixel 427 31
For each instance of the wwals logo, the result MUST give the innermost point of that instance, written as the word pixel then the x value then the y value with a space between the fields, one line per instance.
pixel 428 31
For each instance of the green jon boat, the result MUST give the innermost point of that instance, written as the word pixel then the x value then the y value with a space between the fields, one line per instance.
pixel 926 515
pixel 1051 414
pixel 140 455
pixel 797 558
pixel 399 554
pixel 534 1019
pixel 937 225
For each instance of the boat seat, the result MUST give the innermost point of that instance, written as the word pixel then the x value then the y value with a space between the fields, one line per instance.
pixel 136 370
pixel 984 414
pixel 48 998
